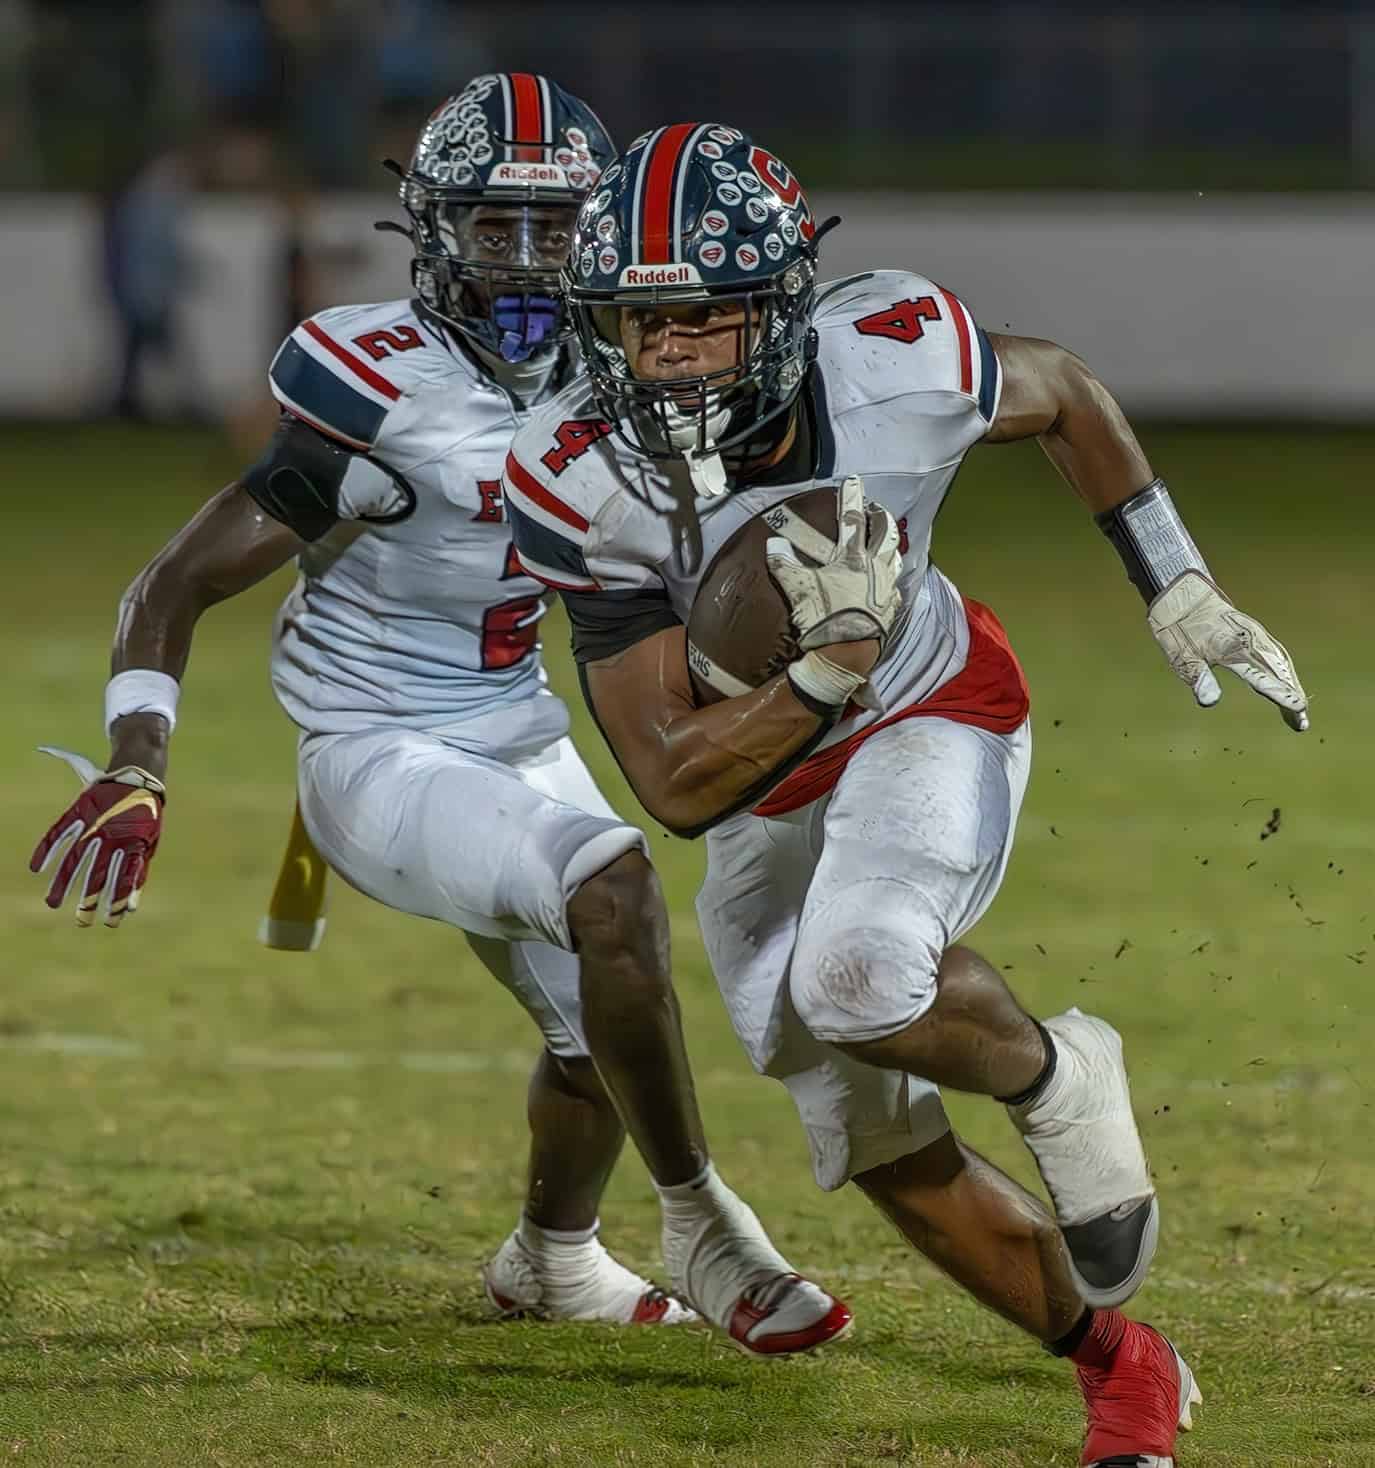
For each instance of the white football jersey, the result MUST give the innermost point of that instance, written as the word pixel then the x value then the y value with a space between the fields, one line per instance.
pixel 413 610
pixel 904 384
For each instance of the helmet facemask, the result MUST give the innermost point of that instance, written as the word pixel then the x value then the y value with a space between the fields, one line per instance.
pixel 492 267
pixel 713 418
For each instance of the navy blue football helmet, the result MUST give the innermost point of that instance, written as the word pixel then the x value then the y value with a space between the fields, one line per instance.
pixel 492 190
pixel 696 212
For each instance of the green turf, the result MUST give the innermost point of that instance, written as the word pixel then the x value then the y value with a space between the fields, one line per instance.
pixel 251 1236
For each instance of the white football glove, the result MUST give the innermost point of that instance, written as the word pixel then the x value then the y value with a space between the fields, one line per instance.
pixel 853 594
pixel 1199 629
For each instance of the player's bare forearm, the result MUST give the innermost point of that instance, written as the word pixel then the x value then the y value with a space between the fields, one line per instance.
pixel 230 545
pixel 687 765
pixel 1050 394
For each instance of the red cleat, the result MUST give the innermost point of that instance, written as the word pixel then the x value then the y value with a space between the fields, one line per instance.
pixel 786 1315
pixel 721 1262
pixel 1137 1402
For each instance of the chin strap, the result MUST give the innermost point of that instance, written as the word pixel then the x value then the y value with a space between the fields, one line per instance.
pixel 707 471
pixel 685 431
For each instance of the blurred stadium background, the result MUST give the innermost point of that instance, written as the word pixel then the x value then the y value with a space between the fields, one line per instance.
pixel 242 1194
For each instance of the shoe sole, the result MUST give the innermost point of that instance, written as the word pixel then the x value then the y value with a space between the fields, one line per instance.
pixel 507 1309
pixel 1108 1297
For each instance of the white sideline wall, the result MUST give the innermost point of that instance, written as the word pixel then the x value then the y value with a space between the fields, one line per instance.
pixel 1187 306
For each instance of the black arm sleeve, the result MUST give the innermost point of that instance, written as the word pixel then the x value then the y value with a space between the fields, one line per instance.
pixel 607 622
pixel 297 479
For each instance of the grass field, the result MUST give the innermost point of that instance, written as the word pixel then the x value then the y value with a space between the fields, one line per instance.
pixel 243 1194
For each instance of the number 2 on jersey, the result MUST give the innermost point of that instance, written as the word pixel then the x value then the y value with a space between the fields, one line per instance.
pixel 381 344
pixel 902 321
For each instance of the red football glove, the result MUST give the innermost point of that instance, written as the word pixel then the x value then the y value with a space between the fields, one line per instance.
pixel 110 833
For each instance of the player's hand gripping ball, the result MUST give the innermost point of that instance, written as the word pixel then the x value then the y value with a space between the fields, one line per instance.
pixel 102 843
pixel 820 568
pixel 850 595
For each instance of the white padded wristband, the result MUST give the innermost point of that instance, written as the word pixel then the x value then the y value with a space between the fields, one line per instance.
pixel 141 691
pixel 825 681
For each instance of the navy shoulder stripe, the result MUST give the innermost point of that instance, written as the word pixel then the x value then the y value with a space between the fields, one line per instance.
pixel 989 368
pixel 309 389
pixel 546 553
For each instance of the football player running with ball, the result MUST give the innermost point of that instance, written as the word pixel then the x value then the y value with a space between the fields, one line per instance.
pixel 435 770
pixel 860 804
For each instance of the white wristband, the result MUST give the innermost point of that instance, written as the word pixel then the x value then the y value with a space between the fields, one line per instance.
pixel 827 682
pixel 141 691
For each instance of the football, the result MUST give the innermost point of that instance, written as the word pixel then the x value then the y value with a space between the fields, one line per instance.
pixel 739 633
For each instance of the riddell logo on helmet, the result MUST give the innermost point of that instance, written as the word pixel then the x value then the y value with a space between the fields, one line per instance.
pixel 528 173
pixel 660 275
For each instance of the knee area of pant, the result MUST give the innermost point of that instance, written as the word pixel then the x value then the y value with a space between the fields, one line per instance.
pixel 618 911
pixel 864 980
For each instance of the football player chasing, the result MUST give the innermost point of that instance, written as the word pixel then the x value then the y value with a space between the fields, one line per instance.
pixel 435 769
pixel 860 805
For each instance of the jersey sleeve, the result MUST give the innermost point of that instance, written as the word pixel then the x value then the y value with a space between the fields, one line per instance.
pixel 310 482
pixel 920 350
pixel 549 530
pixel 320 378
pixel 570 519
pixel 974 363
pixel 320 466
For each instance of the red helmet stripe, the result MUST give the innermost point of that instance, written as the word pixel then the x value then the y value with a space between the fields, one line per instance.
pixel 657 243
pixel 529 116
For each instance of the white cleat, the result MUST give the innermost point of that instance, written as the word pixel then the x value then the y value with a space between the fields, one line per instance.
pixel 720 1258
pixel 528 1276
pixel 1081 1130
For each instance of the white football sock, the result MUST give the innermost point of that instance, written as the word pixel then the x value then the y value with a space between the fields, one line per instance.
pixel 580 1280
pixel 714 1246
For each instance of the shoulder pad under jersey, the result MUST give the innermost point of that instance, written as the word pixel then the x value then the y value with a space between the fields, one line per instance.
pixel 905 334
pixel 347 370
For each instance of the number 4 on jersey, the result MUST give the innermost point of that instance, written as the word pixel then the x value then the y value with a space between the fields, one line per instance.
pixel 573 437
pixel 902 321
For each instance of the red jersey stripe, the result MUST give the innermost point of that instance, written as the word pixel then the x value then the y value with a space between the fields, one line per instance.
pixel 536 493
pixel 356 365
pixel 343 438
pixel 989 692
pixel 529 119
pixel 545 579
pixel 656 229
pixel 962 331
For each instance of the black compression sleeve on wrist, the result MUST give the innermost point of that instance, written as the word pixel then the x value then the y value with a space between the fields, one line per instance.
pixel 1148 534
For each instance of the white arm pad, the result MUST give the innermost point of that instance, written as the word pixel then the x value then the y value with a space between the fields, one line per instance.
pixel 141 691
pixel 826 682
